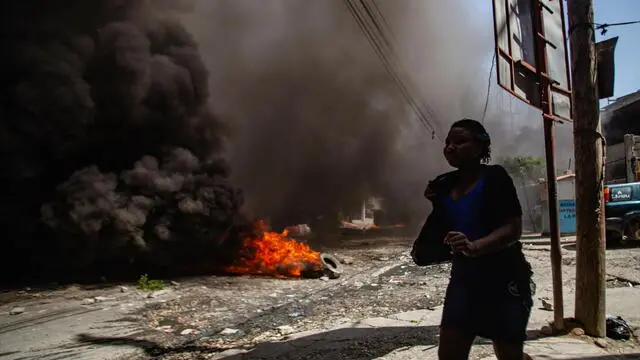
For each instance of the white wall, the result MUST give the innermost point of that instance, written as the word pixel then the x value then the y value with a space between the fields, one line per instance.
pixel 567 189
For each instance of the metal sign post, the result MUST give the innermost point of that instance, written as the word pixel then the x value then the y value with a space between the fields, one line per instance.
pixel 532 62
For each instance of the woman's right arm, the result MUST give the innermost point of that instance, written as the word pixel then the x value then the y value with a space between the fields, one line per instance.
pixel 429 248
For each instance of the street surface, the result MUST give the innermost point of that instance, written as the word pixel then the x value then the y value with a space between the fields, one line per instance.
pixel 200 318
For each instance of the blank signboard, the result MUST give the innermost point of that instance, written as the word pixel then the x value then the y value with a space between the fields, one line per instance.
pixel 553 29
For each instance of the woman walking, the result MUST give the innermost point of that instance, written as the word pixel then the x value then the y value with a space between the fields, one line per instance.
pixel 476 223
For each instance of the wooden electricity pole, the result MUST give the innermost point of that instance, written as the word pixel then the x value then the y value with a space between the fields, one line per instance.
pixel 588 145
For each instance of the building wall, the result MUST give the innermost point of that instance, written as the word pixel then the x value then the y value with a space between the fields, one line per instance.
pixel 567 189
pixel 566 202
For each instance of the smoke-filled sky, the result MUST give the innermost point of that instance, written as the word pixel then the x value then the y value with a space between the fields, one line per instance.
pixel 87 90
pixel 310 119
pixel 316 119
pixel 286 96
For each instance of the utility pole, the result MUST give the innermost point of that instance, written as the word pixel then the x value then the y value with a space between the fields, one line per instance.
pixel 588 147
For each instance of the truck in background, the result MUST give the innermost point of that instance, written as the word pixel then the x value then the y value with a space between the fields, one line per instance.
pixel 622 169
pixel 622 212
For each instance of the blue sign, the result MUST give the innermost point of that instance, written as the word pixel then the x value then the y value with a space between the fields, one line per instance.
pixel 567 210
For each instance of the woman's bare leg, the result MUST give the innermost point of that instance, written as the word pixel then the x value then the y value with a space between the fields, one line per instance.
pixel 454 344
pixel 510 351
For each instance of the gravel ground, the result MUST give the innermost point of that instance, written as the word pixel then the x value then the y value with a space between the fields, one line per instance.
pixel 197 317
pixel 242 311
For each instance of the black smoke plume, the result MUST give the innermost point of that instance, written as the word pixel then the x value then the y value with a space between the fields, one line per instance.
pixel 319 124
pixel 111 154
pixel 109 149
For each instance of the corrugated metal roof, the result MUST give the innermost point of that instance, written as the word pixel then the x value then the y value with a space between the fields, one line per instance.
pixel 622 102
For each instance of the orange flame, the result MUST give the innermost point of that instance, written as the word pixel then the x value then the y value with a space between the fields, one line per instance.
pixel 395 226
pixel 270 253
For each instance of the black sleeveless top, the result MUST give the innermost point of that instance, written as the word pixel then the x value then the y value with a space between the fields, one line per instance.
pixel 498 203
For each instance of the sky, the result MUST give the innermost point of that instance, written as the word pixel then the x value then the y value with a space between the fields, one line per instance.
pixel 627 53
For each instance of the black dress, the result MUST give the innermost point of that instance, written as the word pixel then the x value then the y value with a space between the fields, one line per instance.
pixel 488 296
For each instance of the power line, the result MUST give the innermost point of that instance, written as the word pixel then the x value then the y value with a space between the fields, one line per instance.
pixel 378 27
pixel 374 41
pixel 387 63
pixel 605 27
pixel 486 101
pixel 424 107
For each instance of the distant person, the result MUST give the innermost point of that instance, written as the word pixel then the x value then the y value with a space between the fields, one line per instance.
pixel 476 223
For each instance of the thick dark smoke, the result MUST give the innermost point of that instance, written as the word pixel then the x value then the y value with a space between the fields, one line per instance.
pixel 93 94
pixel 111 154
pixel 318 122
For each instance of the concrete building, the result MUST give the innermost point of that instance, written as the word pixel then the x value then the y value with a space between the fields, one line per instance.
pixel 618 119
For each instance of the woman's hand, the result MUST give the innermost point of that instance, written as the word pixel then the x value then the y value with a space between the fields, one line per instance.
pixel 460 244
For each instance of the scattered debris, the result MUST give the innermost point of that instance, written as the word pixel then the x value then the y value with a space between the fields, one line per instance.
pixel 231 353
pixel 88 301
pixel 286 329
pixel 546 330
pixel 228 331
pixel 17 311
pixel 101 298
pixel 298 230
pixel 546 304
pixel 577 331
pixel 324 278
pixel 601 343
pixel 165 328
pixel 175 283
pixel 123 289
pixel 347 260
pixel 155 294
pixel 618 328
pixel 189 332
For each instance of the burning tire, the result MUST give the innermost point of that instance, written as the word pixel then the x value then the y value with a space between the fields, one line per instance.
pixel 332 267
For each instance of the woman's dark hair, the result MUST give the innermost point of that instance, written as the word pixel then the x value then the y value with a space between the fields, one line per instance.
pixel 480 133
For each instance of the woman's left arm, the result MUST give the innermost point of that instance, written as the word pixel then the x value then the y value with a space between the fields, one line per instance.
pixel 507 210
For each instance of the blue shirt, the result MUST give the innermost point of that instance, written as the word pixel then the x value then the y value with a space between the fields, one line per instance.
pixel 465 217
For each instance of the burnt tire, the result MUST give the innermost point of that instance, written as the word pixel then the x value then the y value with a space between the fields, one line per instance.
pixel 332 266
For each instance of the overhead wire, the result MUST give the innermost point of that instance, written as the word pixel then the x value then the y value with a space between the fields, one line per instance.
pixel 486 101
pixel 387 62
pixel 370 13
pixel 374 12
pixel 605 27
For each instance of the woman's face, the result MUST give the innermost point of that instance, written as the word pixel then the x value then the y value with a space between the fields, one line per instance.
pixel 462 148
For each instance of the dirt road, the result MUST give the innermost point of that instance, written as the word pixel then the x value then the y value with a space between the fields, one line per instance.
pixel 199 317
